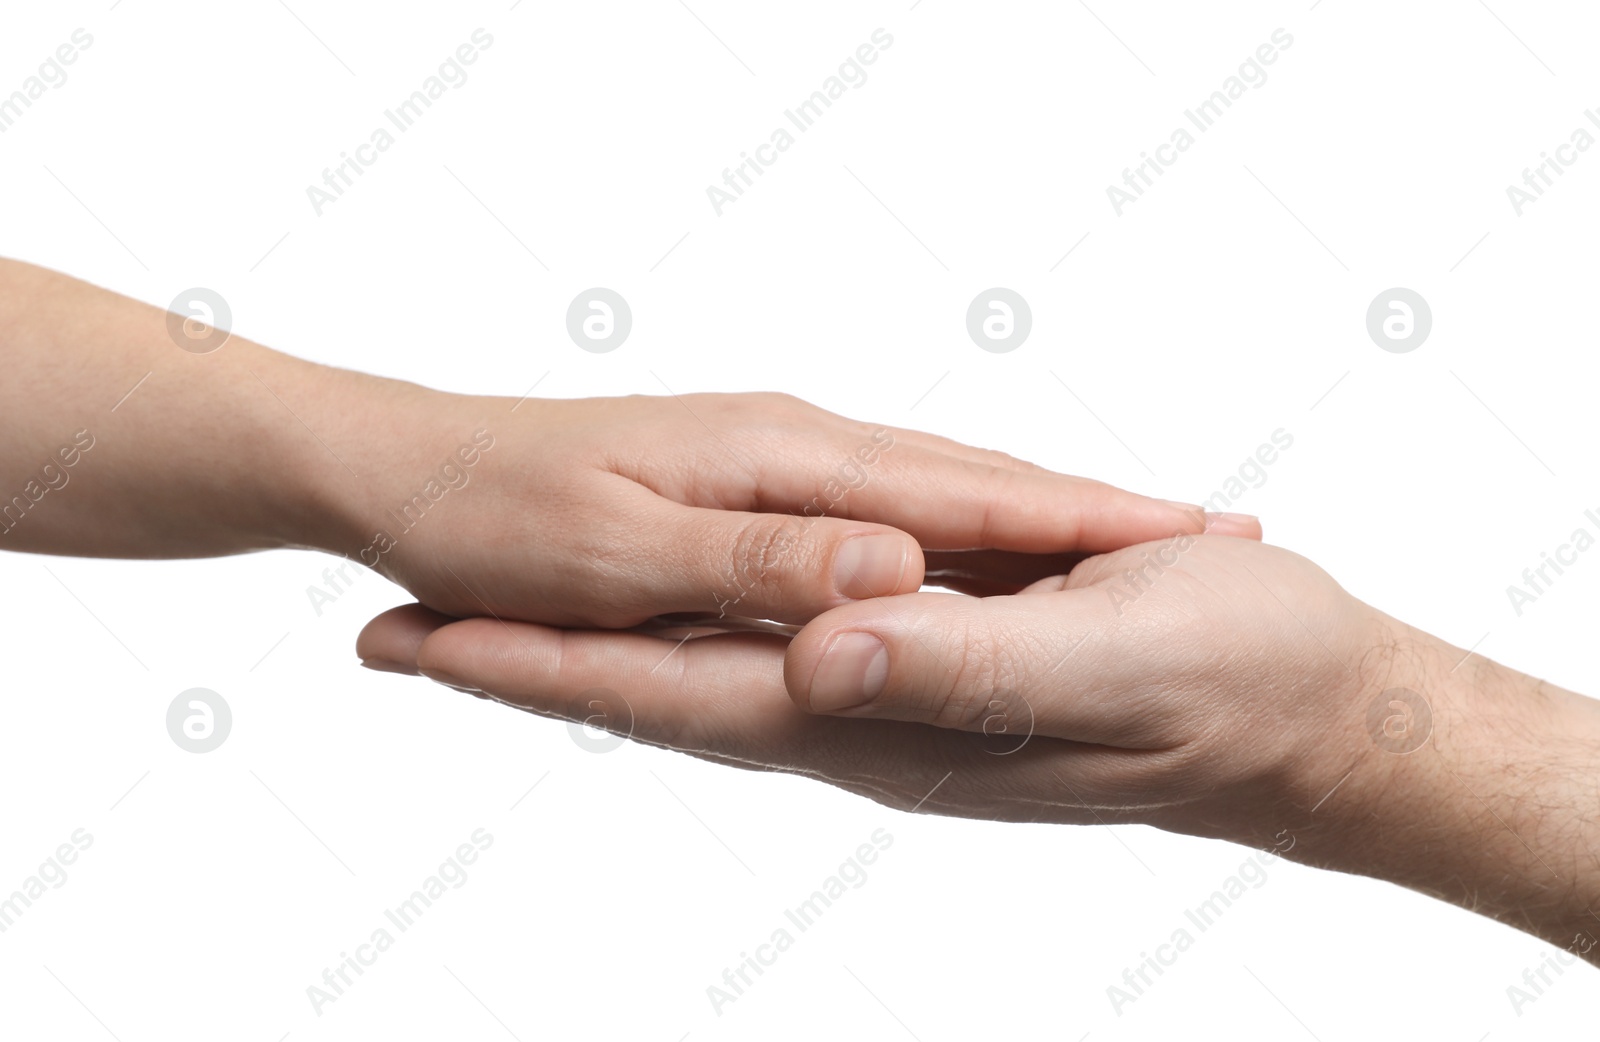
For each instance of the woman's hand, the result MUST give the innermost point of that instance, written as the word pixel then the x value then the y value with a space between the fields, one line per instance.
pixel 182 441
pixel 607 512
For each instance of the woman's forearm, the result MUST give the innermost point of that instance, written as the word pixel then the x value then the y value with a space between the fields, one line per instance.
pixel 116 441
pixel 119 438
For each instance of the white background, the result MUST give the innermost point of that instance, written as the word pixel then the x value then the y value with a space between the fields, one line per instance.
pixel 1223 305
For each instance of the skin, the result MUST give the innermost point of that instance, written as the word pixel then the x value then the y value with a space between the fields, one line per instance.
pixel 1231 698
pixel 598 512
pixel 607 514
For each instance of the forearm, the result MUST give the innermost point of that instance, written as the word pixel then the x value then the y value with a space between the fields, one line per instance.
pixel 1498 811
pixel 216 453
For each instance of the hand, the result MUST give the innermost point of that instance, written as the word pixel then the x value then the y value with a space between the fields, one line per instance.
pixel 1239 693
pixel 1197 697
pixel 606 512
pixel 602 512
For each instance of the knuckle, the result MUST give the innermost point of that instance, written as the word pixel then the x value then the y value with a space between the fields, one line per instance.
pixel 596 585
pixel 1006 461
pixel 762 548
pixel 756 409
pixel 981 671
pixel 1003 492
pixel 781 399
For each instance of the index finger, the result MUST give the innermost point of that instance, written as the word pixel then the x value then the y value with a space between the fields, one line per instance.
pixel 948 503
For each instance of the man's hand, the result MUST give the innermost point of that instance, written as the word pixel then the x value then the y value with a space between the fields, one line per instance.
pixel 1209 686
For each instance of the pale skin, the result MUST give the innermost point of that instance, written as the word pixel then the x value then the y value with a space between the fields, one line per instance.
pixel 1231 699
pixel 599 512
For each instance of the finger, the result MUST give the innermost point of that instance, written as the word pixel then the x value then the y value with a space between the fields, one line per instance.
pixel 722 698
pixel 1242 526
pixel 804 460
pixel 962 451
pixel 1063 659
pixel 953 504
pixel 663 693
pixel 989 572
pixel 389 643
pixel 770 566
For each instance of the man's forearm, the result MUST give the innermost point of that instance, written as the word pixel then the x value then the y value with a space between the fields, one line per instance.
pixel 1497 811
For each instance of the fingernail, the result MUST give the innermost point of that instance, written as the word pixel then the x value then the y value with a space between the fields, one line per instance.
pixel 449 681
pixel 870 566
pixel 852 672
pixel 1231 524
pixel 385 666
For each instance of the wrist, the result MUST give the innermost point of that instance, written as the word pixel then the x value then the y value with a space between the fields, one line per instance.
pixel 1475 787
pixel 1516 769
pixel 410 448
pixel 340 436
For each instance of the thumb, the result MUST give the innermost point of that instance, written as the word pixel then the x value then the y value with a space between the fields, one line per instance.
pixel 1059 663
pixel 785 567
